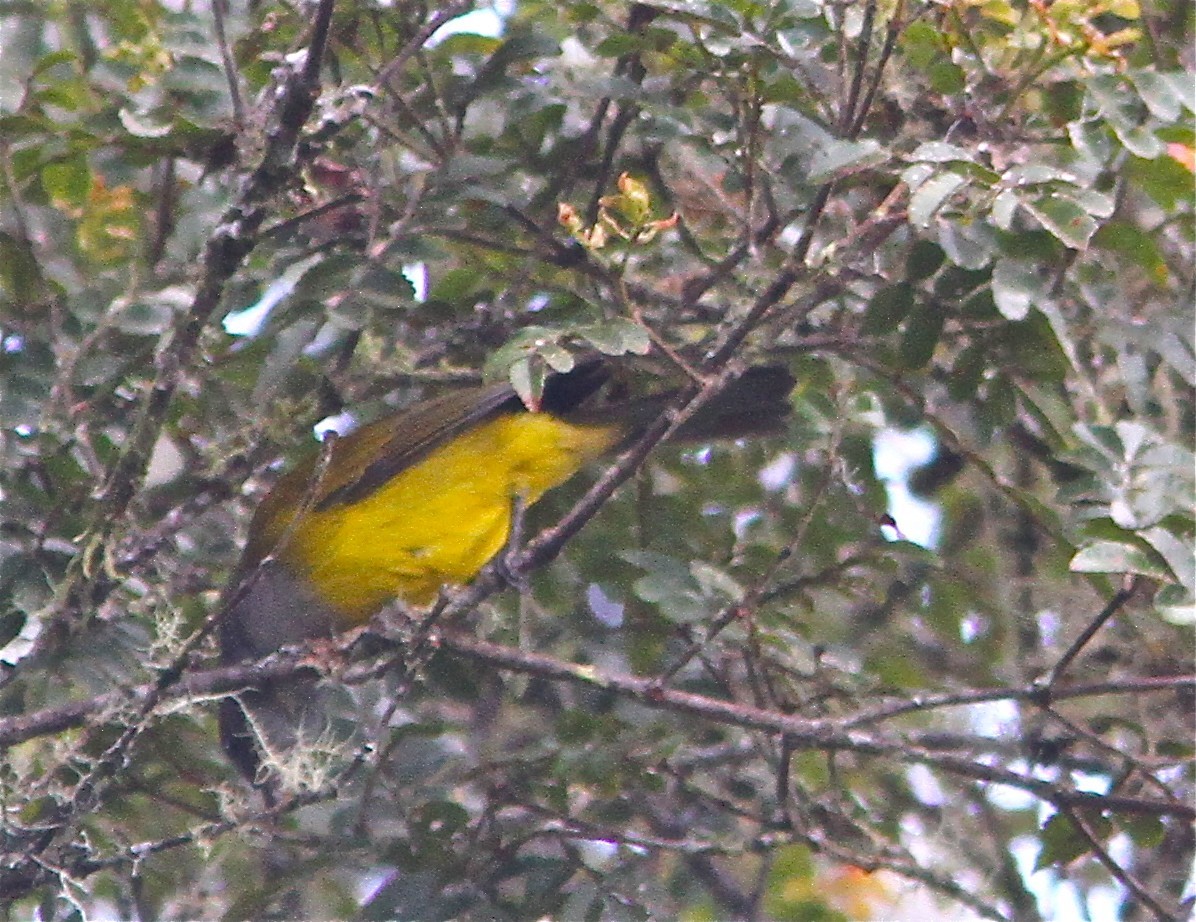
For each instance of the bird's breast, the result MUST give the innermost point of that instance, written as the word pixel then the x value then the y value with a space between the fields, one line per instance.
pixel 439 521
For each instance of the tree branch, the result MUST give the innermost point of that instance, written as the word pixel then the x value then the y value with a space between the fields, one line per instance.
pixel 824 734
pixel 227 246
pixel 1127 880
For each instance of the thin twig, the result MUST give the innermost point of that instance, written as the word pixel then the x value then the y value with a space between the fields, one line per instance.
pixel 230 67
pixel 886 52
pixel 920 703
pixel 443 15
pixel 1123 876
pixel 789 275
pixel 631 68
pixel 1124 594
pixel 231 241
pixel 1094 740
pixel 847 113
pixel 758 591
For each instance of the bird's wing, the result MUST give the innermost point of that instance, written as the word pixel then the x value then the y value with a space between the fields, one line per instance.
pixel 368 458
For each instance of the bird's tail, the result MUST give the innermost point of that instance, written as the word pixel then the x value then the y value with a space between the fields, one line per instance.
pixel 754 404
pixel 277 733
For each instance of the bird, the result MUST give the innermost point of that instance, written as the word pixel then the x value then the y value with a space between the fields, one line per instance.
pixel 419 500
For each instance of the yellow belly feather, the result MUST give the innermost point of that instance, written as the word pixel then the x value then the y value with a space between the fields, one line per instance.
pixel 441 520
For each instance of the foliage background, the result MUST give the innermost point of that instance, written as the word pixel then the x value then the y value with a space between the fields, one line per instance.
pixel 734 695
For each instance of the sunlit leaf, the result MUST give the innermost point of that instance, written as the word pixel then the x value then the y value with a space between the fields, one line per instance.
pixel 1017 286
pixel 933 195
pixel 1111 557
pixel 1064 218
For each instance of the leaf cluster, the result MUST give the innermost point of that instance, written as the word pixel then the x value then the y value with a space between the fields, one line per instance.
pixel 743 689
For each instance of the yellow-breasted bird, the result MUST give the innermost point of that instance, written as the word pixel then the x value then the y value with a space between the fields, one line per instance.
pixel 420 499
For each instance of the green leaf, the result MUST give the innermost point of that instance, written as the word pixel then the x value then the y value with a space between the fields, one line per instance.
pixel 1182 86
pixel 70 94
pixel 1038 246
pixel 527 378
pixel 941 152
pixel 469 44
pixel 1139 141
pixel 967 373
pixel 1176 350
pixel 143 318
pixel 141 126
pixel 1176 605
pixel 278 367
pixel 1158 93
pixel 716 581
pixel 784 88
pixel 1035 174
pixel 931 195
pixel 1176 551
pixel 67 181
pixel 385 287
pixel 1094 203
pixel 1092 138
pixel 1062 842
pixel 20 273
pixel 1146 831
pixel 795 892
pixel 999 407
pixel 833 157
pixel 1017 286
pixel 669 584
pixel 1064 102
pixel 946 77
pixel 531 348
pixel 1115 557
pixel 14 127
pixel 457 285
pixel 1163 179
pixel 1106 441
pixel 922 44
pixel 921 336
pixel 1005 208
pixel 524 44
pixel 969 244
pixel 53 59
pixel 616 337
pixel 557 357
pixel 326 277
pixel 1064 218
pixel 818 153
pixel 21 399
pixel 1136 245
pixel 468 168
pixel 1032 347
pixel 617 45
pixel 887 308
pixel 924 259
pixel 953 285
pixel 1124 113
